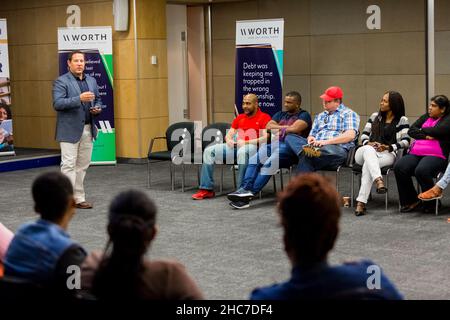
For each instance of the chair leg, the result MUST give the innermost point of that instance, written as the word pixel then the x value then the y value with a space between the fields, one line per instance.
pixel 260 195
pixel 337 180
pixel 386 198
pixel 172 176
pixel 221 179
pixel 281 179
pixel 352 192
pixel 198 175
pixel 436 210
pixel 234 177
pixel 182 177
pixel 274 184
pixel 148 174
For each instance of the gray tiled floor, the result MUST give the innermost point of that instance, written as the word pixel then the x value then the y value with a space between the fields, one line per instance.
pixel 229 252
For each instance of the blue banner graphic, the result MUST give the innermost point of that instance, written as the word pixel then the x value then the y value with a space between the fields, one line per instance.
pixel 259 63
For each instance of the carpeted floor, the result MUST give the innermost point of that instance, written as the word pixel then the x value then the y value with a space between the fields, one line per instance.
pixel 229 252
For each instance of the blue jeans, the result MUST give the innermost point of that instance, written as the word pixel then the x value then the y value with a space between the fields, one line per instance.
pixel 265 163
pixel 295 143
pixel 222 153
pixel 445 180
pixel 332 156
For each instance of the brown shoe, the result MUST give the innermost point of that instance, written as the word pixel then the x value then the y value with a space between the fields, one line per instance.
pixel 380 185
pixel 346 202
pixel 360 209
pixel 311 151
pixel 84 205
pixel 411 207
pixel 431 194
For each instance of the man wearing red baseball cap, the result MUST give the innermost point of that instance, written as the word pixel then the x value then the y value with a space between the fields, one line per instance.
pixel 333 133
pixel 332 93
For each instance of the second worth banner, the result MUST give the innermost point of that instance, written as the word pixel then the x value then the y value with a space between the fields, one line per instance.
pixel 259 63
pixel 96 43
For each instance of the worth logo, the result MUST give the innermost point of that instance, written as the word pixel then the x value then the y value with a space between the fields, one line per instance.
pixel 105 126
pixel 260 31
pixel 85 37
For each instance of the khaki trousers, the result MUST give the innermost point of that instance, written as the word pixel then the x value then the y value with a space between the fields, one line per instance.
pixel 75 159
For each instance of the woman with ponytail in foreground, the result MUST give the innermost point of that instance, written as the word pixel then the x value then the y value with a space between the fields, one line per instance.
pixel 122 272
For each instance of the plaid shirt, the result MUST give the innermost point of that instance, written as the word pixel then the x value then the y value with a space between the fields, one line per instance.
pixel 327 126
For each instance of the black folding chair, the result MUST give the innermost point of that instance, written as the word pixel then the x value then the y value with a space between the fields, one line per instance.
pixel 214 134
pixel 180 136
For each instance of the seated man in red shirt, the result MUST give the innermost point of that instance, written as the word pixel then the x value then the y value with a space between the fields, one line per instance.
pixel 241 141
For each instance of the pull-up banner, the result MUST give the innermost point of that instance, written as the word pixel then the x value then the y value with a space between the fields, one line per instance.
pixel 259 63
pixel 6 128
pixel 96 43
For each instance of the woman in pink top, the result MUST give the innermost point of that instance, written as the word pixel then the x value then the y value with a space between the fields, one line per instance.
pixel 428 154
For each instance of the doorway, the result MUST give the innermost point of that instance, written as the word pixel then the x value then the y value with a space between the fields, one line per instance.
pixel 186 63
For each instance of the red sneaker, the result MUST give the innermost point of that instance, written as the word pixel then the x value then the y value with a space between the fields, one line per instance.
pixel 203 194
